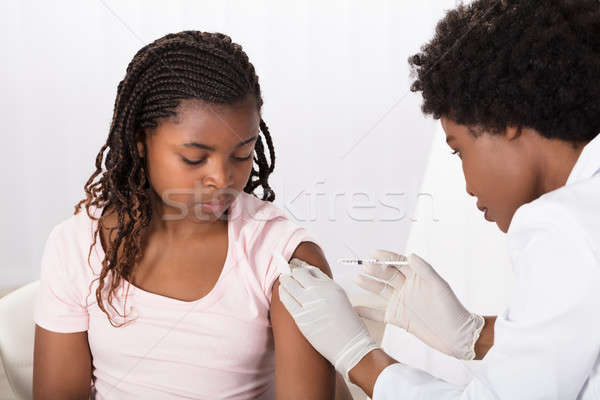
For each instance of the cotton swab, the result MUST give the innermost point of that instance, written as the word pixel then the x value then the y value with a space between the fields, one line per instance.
pixel 282 265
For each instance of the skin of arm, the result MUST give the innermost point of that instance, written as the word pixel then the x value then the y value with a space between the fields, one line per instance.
pixel 366 372
pixel 486 338
pixel 62 365
pixel 300 371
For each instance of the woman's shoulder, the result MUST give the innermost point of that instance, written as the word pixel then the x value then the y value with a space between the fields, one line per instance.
pixel 79 225
pixel 259 224
pixel 65 276
pixel 250 215
pixel 72 238
pixel 250 207
pixel 260 231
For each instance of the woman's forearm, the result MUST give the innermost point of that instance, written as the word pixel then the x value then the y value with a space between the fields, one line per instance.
pixel 486 338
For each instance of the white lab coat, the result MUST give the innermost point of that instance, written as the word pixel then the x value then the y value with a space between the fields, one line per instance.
pixel 547 342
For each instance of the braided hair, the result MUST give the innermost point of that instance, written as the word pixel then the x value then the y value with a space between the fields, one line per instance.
pixel 187 65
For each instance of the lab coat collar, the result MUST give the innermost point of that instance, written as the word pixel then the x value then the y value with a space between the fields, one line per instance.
pixel 588 163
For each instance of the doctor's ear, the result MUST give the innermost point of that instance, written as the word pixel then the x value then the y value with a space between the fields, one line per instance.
pixel 512 132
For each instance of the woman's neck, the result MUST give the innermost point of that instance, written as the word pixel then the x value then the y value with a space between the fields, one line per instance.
pixel 171 227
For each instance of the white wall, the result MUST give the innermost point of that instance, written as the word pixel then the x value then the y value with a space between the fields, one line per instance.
pixel 346 128
pixel 335 82
pixel 466 250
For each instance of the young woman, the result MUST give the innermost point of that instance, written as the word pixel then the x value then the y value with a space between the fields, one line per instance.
pixel 165 285
pixel 516 85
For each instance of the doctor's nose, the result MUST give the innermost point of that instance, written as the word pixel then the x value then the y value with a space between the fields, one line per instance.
pixel 468 188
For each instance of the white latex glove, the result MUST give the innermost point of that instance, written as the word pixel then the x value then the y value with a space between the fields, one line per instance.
pixel 325 316
pixel 417 299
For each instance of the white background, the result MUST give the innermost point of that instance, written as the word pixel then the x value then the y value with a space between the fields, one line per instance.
pixel 335 81
pixel 347 130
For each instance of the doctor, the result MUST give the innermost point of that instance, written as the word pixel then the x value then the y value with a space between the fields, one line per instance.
pixel 516 85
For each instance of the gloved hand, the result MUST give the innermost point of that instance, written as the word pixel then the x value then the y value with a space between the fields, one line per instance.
pixel 325 316
pixel 417 299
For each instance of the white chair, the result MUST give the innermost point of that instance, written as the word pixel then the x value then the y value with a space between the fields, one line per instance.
pixel 17 331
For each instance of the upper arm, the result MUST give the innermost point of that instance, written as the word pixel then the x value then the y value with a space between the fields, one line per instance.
pixel 62 365
pixel 62 362
pixel 312 254
pixel 300 371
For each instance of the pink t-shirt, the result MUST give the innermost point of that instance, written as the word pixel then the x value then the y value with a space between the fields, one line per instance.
pixel 218 347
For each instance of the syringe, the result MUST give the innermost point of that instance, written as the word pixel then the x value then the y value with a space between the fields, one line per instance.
pixel 361 261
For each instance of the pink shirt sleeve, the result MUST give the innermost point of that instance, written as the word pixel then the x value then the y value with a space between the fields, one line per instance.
pixel 59 306
pixel 279 235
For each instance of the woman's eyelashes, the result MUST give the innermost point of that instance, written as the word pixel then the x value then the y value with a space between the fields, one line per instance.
pixel 190 162
pixel 203 159
pixel 246 158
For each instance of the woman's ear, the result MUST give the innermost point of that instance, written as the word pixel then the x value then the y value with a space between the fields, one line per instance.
pixel 140 139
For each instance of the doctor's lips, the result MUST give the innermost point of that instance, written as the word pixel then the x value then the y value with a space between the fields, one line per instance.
pixel 485 213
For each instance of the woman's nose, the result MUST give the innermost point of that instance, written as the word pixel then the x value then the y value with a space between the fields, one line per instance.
pixel 219 175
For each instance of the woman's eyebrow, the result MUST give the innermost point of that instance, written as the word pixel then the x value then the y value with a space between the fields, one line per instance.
pixel 207 147
pixel 245 142
pixel 198 145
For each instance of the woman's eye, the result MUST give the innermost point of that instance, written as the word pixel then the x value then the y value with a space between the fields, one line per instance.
pixel 193 162
pixel 457 152
pixel 249 156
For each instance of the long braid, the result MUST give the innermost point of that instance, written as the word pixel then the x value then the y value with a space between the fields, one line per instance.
pixel 176 67
pixel 264 169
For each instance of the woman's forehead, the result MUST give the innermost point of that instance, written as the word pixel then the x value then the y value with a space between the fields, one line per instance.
pixel 211 125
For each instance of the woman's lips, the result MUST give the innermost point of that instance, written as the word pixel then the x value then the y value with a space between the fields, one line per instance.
pixel 214 206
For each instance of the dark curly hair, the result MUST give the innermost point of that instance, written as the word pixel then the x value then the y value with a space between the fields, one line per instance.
pixel 525 63
pixel 179 66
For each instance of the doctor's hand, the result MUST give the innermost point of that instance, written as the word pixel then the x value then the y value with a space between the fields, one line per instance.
pixel 417 299
pixel 324 315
